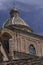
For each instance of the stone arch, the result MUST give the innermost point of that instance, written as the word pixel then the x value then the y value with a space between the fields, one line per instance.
pixel 6 35
pixel 7 32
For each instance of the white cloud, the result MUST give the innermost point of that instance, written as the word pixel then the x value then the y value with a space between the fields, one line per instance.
pixel 4 4
pixel 33 2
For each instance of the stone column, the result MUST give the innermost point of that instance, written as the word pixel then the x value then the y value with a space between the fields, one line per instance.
pixel 1 56
pixel 11 48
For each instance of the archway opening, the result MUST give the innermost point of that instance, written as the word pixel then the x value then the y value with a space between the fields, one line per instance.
pixel 5 40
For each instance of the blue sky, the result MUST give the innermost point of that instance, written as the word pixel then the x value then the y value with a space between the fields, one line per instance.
pixel 30 10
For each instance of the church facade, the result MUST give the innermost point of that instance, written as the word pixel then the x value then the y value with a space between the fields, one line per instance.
pixel 18 43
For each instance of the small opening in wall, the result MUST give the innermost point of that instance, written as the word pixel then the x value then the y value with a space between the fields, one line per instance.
pixel 32 49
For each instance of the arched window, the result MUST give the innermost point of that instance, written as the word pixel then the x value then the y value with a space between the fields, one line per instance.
pixel 32 50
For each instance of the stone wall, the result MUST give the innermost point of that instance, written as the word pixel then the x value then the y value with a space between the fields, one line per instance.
pixel 21 41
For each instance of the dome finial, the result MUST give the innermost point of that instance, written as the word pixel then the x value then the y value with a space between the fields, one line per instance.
pixel 14 12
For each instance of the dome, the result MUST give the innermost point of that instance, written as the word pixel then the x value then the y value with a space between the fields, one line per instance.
pixel 15 19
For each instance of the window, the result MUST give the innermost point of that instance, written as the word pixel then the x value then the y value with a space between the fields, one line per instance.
pixel 32 50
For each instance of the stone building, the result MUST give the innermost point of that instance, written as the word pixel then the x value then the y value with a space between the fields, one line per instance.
pixel 18 43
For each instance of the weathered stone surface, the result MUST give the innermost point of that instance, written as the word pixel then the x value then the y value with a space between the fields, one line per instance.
pixel 20 37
